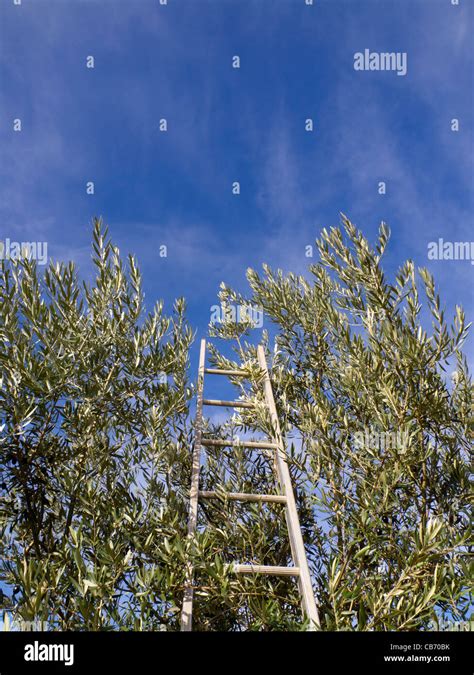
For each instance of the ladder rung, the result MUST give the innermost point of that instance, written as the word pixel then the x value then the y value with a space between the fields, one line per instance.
pixel 239 444
pixel 267 569
pixel 228 373
pixel 243 497
pixel 228 404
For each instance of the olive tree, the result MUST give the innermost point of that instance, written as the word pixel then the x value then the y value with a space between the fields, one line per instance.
pixel 375 403
pixel 375 399
pixel 94 446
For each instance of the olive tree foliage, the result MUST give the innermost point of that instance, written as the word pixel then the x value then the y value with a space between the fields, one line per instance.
pixel 378 430
pixel 94 446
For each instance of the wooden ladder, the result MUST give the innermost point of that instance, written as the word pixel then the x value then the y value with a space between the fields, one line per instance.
pixel 300 570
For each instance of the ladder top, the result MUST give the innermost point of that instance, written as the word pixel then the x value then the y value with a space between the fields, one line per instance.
pixel 228 404
pixel 228 373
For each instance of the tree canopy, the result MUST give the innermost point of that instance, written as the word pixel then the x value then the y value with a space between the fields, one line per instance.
pixel 96 432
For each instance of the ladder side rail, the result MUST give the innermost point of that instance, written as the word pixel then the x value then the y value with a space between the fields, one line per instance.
pixel 309 606
pixel 187 609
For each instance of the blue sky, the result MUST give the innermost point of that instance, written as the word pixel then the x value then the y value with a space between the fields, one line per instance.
pixel 224 125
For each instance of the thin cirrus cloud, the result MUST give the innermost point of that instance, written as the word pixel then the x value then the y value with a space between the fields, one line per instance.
pixel 227 125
